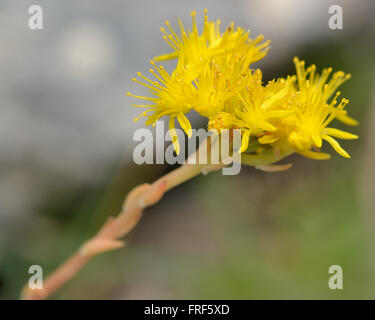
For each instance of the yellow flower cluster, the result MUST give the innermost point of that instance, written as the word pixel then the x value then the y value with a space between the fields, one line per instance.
pixel 213 77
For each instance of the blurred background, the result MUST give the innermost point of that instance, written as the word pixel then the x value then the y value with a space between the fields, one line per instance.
pixel 66 163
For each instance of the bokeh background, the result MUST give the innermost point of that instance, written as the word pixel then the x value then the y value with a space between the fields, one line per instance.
pixel 66 159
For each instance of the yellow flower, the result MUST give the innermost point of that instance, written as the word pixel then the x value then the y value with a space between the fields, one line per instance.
pixel 308 127
pixel 218 82
pixel 260 107
pixel 173 97
pixel 211 69
pixel 213 78
pixel 193 49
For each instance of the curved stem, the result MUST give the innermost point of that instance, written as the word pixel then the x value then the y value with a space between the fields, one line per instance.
pixel 108 236
pixel 142 196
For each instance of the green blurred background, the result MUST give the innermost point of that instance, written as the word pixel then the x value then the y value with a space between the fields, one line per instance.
pixel 66 160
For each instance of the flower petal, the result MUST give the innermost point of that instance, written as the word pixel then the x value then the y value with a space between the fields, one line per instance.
pixel 245 141
pixel 267 139
pixel 184 123
pixel 339 133
pixel 335 145
pixel 344 118
pixel 173 134
pixel 317 140
pixel 315 155
pixel 269 102
pixel 167 56
pixel 267 126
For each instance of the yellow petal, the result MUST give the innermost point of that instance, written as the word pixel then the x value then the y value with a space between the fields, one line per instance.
pixel 245 141
pixel 267 126
pixel 185 124
pixel 335 145
pixel 281 94
pixel 167 56
pixel 267 139
pixel 344 118
pixel 173 134
pixel 315 155
pixel 339 133
pixel 280 113
pixel 317 140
